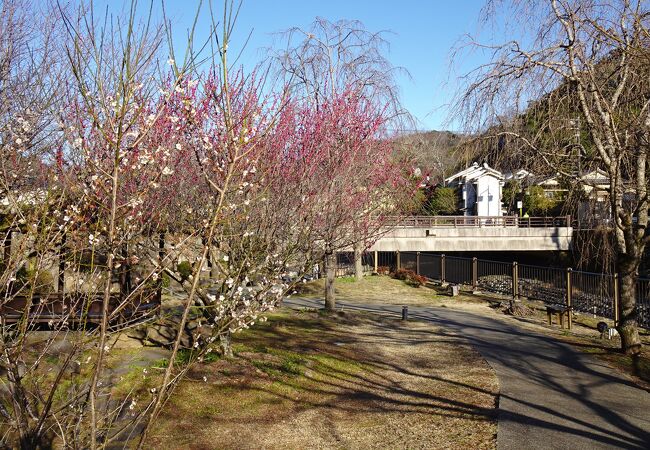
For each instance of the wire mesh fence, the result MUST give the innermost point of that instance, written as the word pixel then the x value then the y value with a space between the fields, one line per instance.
pixel 547 284
pixel 592 293
pixel 457 270
pixel 431 266
pixel 494 276
pixel 408 261
pixel 643 302
pixel 345 265
pixel 587 292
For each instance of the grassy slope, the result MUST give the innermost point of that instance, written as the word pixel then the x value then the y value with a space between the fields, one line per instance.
pixel 383 290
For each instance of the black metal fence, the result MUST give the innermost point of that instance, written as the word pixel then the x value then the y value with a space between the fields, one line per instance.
pixel 585 292
pixel 345 263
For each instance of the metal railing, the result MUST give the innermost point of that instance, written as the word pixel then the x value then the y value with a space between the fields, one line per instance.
pixel 585 292
pixel 478 221
pixel 643 301
pixel 493 276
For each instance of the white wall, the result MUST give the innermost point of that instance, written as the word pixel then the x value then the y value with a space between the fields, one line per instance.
pixel 469 198
pixel 414 239
pixel 489 196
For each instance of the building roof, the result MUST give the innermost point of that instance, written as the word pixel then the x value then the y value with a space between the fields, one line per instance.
pixel 474 172
pixel 517 175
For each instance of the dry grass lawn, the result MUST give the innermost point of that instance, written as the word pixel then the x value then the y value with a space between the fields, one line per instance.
pixel 309 380
pixel 384 290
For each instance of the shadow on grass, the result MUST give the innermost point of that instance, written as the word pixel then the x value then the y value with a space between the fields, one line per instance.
pixel 606 401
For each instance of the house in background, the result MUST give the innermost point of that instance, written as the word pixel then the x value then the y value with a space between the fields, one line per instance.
pixel 553 188
pixel 480 190
pixel 595 185
pixel 519 175
pixel 592 205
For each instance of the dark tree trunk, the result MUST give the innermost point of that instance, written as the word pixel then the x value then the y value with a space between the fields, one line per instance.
pixel 627 326
pixel 125 272
pixel 330 270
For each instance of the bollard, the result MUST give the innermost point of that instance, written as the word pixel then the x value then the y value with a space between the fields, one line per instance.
pixel 405 312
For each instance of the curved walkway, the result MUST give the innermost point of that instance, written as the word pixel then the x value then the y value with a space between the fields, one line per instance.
pixel 551 395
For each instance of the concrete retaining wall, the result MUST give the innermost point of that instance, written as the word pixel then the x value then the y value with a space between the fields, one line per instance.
pixel 475 239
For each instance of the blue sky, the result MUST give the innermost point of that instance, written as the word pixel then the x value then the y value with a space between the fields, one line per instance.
pixel 421 36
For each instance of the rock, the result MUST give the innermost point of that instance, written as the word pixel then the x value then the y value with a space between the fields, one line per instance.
pixel 160 335
pixel 186 341
pixel 59 347
pixel 518 309
pixel 139 333
pixel 192 324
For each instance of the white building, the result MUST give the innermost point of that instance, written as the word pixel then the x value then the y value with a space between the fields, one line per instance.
pixel 480 189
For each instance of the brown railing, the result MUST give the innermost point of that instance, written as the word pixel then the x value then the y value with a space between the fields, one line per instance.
pixel 479 221
pixel 81 308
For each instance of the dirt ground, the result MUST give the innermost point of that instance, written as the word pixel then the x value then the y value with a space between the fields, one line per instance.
pixel 309 380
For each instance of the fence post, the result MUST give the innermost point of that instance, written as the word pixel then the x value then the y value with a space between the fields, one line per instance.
pixel 568 296
pixel 515 280
pixel 474 274
pixel 417 263
pixel 616 300
pixel 399 260
pixel 442 269
pixel 376 261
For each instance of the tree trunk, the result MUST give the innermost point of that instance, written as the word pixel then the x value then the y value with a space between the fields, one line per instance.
pixel 627 326
pixel 125 273
pixel 330 270
pixel 358 262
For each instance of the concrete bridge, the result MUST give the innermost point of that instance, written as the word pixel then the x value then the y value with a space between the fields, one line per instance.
pixel 476 234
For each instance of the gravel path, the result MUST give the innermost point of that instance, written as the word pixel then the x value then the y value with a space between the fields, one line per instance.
pixel 551 395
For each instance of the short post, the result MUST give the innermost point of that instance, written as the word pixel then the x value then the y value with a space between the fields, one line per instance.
pixel 417 263
pixel 568 296
pixel 474 274
pixel 442 269
pixel 515 280
pixel 616 300
pixel 399 260
pixel 60 286
pixel 376 261
pixel 405 312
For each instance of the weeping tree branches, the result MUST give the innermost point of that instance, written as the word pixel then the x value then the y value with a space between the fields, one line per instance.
pixel 574 93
